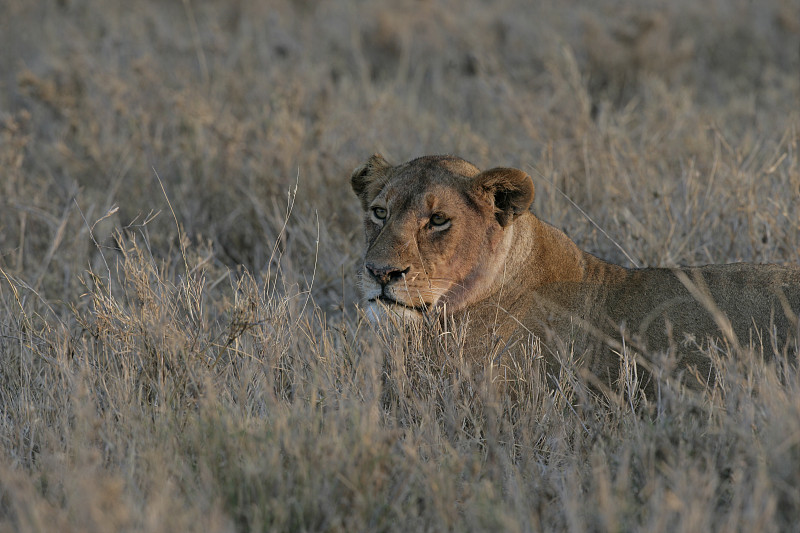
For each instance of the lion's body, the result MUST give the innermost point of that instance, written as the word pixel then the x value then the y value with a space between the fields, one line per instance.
pixel 652 309
pixel 494 263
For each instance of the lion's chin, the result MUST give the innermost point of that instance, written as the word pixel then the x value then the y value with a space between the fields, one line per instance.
pixel 383 310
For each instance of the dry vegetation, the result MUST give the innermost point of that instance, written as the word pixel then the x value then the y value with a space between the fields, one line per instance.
pixel 177 354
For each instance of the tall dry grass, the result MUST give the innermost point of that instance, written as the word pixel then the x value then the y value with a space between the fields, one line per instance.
pixel 179 343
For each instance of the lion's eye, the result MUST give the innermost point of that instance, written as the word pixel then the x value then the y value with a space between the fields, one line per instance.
pixel 438 219
pixel 380 212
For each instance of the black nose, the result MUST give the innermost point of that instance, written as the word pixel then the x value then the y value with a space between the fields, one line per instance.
pixel 385 275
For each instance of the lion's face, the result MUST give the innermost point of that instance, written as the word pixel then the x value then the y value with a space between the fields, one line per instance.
pixel 437 230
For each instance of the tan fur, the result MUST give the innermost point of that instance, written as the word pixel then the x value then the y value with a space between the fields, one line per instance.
pixel 512 275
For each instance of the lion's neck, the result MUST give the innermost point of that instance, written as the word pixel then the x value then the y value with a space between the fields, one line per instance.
pixel 534 257
pixel 543 254
pixel 540 256
pixel 540 266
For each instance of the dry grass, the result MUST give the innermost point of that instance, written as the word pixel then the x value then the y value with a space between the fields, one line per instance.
pixel 185 353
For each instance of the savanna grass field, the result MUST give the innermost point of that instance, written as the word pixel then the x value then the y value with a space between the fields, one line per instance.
pixel 180 342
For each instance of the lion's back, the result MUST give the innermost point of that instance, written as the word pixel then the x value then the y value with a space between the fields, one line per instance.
pixel 664 306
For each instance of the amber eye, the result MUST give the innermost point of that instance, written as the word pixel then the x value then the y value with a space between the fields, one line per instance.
pixel 379 212
pixel 438 219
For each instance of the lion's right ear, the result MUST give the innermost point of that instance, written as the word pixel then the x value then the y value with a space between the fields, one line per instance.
pixel 510 190
pixel 369 178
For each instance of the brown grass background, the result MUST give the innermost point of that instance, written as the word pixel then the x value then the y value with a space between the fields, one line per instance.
pixel 179 344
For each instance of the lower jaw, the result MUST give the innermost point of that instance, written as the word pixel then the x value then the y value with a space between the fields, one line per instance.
pixel 400 305
pixel 378 307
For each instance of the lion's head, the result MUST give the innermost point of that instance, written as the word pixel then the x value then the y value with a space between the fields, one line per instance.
pixel 437 229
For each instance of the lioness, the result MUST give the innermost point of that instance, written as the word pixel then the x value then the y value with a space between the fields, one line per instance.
pixel 442 236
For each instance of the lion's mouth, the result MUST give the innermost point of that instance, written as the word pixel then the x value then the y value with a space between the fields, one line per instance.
pixel 387 300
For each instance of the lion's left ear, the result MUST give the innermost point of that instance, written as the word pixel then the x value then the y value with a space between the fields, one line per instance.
pixel 368 179
pixel 510 189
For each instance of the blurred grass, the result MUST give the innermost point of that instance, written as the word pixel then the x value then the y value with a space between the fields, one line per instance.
pixel 190 358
